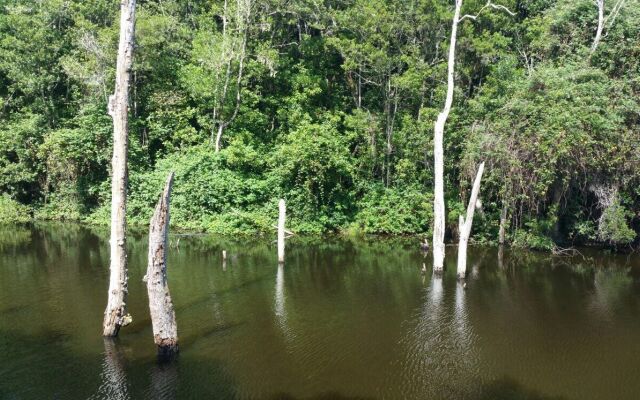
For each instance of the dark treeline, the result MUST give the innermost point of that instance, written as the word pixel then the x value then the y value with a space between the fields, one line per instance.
pixel 330 105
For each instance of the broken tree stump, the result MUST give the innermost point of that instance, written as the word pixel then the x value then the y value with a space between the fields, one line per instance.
pixel 163 316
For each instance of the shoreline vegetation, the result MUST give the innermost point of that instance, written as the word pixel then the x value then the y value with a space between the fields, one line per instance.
pixel 331 107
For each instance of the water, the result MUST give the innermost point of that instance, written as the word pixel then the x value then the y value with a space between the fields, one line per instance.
pixel 343 319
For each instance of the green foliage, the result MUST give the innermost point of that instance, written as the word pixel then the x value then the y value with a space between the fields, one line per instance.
pixel 13 212
pixel 535 237
pixel 613 227
pixel 394 211
pixel 333 112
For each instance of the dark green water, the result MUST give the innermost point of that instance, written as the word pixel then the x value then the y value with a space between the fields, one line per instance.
pixel 343 319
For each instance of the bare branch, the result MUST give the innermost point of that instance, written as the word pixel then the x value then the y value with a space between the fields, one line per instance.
pixel 614 13
pixel 489 5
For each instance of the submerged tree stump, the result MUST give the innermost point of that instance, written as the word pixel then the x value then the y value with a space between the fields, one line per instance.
pixel 163 316
pixel 466 223
pixel 115 315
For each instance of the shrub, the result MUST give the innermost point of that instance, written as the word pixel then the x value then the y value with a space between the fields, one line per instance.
pixel 13 212
pixel 613 227
pixel 394 210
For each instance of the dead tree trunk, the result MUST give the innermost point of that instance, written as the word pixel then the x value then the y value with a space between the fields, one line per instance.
pixel 115 315
pixel 438 152
pixel 465 224
pixel 281 230
pixel 602 20
pixel 438 134
pixel 163 316
pixel 596 40
pixel 503 224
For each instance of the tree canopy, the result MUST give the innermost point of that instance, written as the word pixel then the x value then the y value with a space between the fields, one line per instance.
pixel 331 106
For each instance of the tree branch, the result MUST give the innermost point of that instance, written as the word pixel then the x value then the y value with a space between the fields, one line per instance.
pixel 488 5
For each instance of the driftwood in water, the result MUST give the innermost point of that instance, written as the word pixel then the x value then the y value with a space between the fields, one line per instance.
pixel 281 230
pixel 163 316
pixel 115 315
pixel 465 224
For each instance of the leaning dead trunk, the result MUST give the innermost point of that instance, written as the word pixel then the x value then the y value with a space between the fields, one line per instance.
pixel 281 220
pixel 115 315
pixel 163 316
pixel 438 152
pixel 465 224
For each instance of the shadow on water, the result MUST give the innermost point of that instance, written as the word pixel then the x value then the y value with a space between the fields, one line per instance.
pixel 323 396
pixel 158 379
pixel 509 389
pixel 27 369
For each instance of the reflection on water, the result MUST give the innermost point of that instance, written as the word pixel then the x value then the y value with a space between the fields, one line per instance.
pixel 345 319
pixel 114 378
pixel 164 381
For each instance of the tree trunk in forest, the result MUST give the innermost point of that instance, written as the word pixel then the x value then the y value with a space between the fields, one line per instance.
pixel 115 315
pixel 596 40
pixel 243 14
pixel 503 224
pixel 438 152
pixel 465 224
pixel 281 231
pixel 219 136
pixel 163 316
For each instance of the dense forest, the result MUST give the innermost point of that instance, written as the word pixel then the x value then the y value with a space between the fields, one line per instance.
pixel 331 105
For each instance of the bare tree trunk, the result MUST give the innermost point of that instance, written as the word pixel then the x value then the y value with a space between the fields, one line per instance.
pixel 596 40
pixel 219 136
pixel 438 152
pixel 115 316
pixel 243 13
pixel 281 220
pixel 163 316
pixel 438 134
pixel 503 224
pixel 465 224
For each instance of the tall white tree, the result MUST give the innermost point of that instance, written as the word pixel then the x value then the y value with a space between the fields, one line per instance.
pixel 235 29
pixel 602 20
pixel 438 134
pixel 116 316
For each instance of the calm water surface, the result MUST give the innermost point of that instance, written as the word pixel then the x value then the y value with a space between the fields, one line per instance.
pixel 343 319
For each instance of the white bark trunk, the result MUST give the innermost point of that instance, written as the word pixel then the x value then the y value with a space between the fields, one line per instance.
pixel 219 136
pixel 163 316
pixel 115 315
pixel 243 13
pixel 465 224
pixel 438 152
pixel 503 224
pixel 596 40
pixel 281 230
